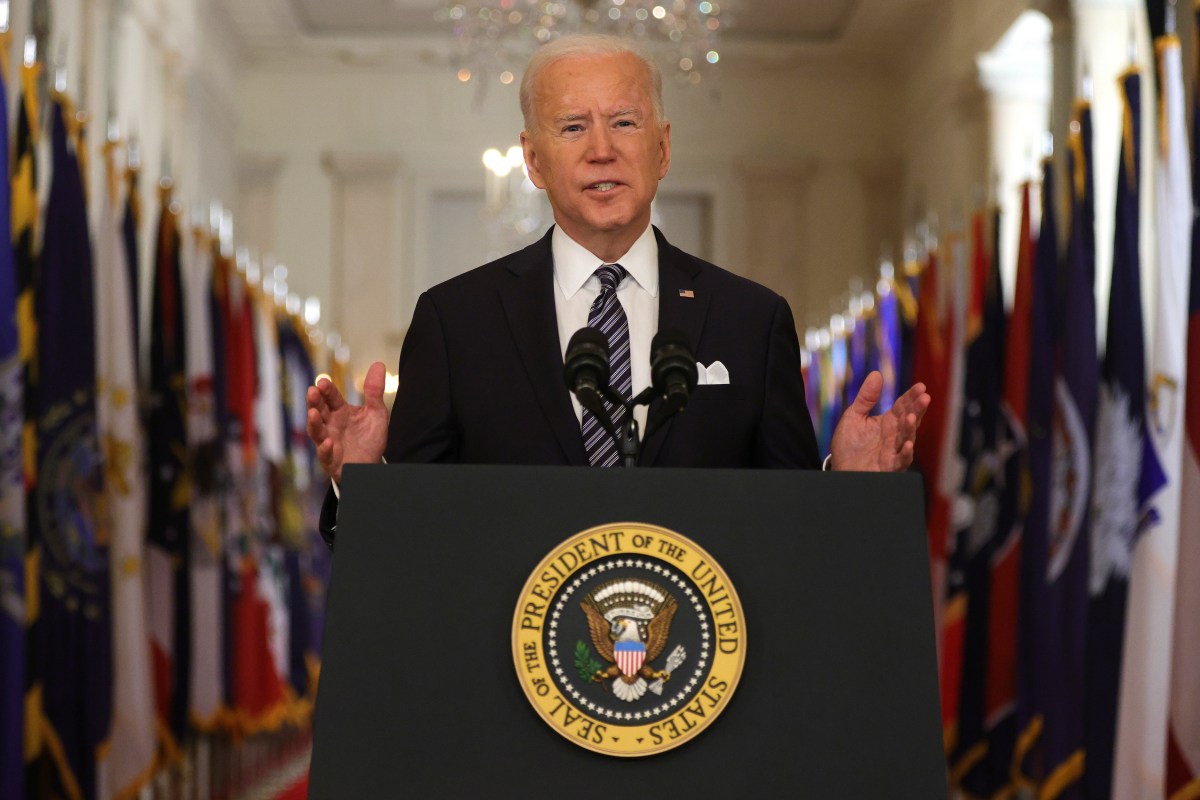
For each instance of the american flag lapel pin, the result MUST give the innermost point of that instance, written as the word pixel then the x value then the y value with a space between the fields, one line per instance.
pixel 688 293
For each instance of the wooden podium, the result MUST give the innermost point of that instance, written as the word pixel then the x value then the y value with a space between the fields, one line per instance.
pixel 419 696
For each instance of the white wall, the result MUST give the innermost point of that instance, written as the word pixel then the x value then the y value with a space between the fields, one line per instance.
pixel 791 161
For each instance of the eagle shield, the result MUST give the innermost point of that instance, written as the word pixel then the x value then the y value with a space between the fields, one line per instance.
pixel 629 620
pixel 630 656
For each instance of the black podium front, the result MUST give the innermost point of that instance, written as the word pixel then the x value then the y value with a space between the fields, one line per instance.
pixel 419 696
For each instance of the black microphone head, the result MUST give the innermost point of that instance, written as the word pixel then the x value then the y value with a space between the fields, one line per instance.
pixel 672 365
pixel 585 365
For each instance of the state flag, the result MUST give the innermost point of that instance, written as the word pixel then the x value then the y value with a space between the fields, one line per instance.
pixel 1140 755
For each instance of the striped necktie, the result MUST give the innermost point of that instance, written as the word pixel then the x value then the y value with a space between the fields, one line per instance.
pixel 607 315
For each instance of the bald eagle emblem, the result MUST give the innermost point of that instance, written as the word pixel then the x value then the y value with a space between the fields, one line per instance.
pixel 630 622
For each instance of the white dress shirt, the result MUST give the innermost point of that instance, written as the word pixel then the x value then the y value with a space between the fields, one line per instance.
pixel 576 287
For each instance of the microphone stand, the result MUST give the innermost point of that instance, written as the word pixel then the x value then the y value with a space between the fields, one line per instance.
pixel 627 441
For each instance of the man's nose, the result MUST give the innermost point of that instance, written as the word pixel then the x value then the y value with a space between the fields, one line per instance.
pixel 600 144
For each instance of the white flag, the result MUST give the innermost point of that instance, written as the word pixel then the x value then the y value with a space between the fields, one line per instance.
pixel 131 756
pixel 1142 713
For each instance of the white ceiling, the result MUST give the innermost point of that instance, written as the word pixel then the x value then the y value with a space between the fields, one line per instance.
pixel 807 19
pixel 868 30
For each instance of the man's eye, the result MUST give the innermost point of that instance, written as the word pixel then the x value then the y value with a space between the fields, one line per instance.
pixel 573 129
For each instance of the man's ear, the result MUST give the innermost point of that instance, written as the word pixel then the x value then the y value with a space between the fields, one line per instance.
pixel 664 151
pixel 531 160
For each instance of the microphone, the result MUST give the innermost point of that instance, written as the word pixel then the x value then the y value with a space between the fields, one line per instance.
pixel 672 368
pixel 586 370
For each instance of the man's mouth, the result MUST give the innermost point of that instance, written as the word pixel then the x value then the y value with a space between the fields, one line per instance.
pixel 604 186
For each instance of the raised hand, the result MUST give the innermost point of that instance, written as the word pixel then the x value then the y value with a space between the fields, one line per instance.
pixel 883 443
pixel 344 433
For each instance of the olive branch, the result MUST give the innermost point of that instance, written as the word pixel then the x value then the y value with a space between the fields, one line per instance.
pixel 584 663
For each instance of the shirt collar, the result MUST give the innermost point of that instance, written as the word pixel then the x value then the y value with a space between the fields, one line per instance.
pixel 574 264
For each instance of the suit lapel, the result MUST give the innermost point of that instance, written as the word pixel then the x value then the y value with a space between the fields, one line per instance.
pixel 528 300
pixel 682 304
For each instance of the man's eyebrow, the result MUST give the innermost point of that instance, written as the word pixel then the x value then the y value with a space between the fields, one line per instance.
pixel 630 111
pixel 573 117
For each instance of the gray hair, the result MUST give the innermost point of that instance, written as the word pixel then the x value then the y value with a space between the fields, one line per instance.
pixel 583 46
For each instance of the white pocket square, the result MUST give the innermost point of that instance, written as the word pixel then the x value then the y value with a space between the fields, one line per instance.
pixel 714 374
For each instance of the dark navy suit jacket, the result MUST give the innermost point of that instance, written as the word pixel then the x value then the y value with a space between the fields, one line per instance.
pixel 481 372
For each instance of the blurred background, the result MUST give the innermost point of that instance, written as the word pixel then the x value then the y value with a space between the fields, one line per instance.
pixel 246 194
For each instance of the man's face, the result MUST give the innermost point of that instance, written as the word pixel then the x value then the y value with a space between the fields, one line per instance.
pixel 599 151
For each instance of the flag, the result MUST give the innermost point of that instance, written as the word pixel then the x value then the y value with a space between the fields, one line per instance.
pixel 1004 552
pixel 259 618
pixel 810 365
pixel 839 365
pixel 931 366
pixel 12 487
pixel 206 548
pixel 887 337
pixel 132 740
pixel 131 220
pixel 271 583
pixel 1032 646
pixel 24 223
pixel 296 530
pixel 950 470
pixel 168 553
pixel 827 384
pixel 71 660
pixel 235 381
pixel 1065 599
pixel 1145 671
pixel 977 531
pixel 856 345
pixel 1183 709
pixel 1121 438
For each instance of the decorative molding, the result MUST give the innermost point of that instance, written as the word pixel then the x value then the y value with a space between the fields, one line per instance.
pixel 259 169
pixel 794 169
pixel 365 166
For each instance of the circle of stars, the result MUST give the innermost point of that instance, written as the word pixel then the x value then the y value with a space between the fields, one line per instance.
pixel 659 571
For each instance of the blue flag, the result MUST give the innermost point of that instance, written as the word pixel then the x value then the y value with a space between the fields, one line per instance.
pixel 12 496
pixel 1064 609
pixel 1029 756
pixel 1121 440
pixel 887 339
pixel 978 764
pixel 71 660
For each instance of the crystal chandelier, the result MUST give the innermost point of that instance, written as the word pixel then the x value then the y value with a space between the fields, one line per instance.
pixel 494 38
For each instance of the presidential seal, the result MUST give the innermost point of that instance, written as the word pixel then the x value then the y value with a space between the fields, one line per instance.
pixel 628 639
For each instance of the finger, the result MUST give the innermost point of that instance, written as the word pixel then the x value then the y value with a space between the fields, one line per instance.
pixel 868 394
pixel 907 401
pixel 332 397
pixel 373 384
pixel 327 455
pixel 316 426
pixel 923 404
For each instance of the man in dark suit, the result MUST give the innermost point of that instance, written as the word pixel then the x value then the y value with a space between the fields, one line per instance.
pixel 481 368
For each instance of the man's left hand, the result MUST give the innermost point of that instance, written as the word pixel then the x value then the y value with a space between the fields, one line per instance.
pixel 882 443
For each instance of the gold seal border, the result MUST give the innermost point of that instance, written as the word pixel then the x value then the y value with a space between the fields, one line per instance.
pixel 533 669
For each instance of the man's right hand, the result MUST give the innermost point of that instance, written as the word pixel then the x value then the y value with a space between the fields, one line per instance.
pixel 346 434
